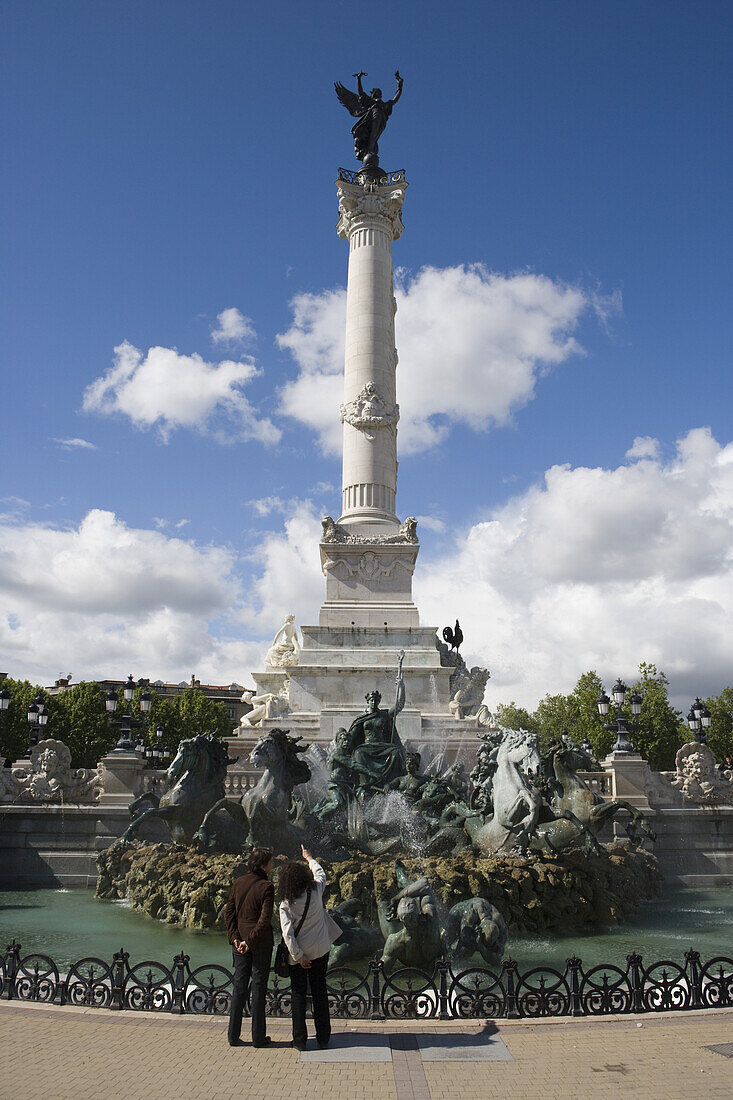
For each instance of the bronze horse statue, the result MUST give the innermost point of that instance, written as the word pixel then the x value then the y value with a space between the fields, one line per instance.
pixel 197 782
pixel 577 806
pixel 265 815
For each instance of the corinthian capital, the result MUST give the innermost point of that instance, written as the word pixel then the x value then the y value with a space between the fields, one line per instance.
pixel 375 205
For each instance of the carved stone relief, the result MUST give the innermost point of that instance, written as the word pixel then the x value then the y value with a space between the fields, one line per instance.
pixel 368 412
pixel 334 532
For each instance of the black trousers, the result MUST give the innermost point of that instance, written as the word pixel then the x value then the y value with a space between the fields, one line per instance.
pixel 251 967
pixel 315 977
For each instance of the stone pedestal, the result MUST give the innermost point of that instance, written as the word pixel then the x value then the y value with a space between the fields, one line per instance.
pixel 121 775
pixel 630 778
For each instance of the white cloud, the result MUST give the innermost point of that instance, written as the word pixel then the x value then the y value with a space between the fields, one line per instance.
pixel 289 578
pixel 472 345
pixel 644 446
pixel 264 506
pixel 431 523
pixel 600 569
pixel 162 524
pixel 166 390
pixel 232 327
pixel 592 568
pixel 75 444
pixel 118 598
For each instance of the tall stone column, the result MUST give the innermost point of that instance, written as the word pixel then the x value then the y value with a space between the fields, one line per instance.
pixel 370 219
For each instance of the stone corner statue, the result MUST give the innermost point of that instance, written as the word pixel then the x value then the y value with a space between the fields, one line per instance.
pixel 372 113
pixel 285 648
pixel 378 757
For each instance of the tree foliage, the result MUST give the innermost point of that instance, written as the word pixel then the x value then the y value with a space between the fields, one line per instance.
pixel 78 717
pixel 720 734
pixel 14 729
pixel 660 731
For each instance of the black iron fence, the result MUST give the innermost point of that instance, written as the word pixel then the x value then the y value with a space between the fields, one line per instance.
pixel 451 991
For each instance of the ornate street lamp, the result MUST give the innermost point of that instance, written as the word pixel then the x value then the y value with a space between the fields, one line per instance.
pixel 699 721
pixel 4 700
pixel 37 716
pixel 620 723
pixel 126 722
pixel 156 753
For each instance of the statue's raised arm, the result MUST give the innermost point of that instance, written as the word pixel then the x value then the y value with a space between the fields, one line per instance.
pixel 400 685
pixel 372 113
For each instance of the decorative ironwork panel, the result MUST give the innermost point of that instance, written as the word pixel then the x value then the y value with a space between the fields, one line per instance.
pixel 347 176
pixel 148 988
pixel 409 994
pixel 543 991
pixel 604 990
pixel 348 993
pixel 665 987
pixel 37 979
pixel 89 982
pixel 208 991
pixel 476 992
pixel 716 979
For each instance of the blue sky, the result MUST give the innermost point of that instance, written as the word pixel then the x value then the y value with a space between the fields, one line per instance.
pixel 169 161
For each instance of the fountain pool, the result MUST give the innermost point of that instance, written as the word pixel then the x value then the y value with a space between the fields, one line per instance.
pixel 71 924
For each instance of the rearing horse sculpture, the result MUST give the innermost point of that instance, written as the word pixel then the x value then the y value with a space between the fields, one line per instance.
pixel 197 781
pixel 264 816
pixel 578 807
pixel 516 802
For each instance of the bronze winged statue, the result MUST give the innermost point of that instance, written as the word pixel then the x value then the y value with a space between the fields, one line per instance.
pixel 372 113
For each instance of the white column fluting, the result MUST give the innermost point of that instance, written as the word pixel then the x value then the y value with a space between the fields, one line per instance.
pixel 370 219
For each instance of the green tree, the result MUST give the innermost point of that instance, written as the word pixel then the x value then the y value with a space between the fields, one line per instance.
pixel 661 730
pixel 720 734
pixel 516 718
pixel 182 716
pixel 80 719
pixel 587 722
pixel 14 729
pixel 199 714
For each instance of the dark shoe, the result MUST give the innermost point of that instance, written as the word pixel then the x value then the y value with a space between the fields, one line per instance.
pixel 265 1042
pixel 324 1044
pixel 236 1042
pixel 298 1046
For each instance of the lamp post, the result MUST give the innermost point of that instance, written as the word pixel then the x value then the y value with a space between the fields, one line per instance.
pixel 699 721
pixel 619 692
pixel 37 716
pixel 126 722
pixel 156 753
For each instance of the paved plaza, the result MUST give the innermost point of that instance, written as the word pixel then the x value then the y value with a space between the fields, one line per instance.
pixel 93 1053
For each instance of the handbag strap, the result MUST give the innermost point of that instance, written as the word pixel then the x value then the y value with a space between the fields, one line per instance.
pixel 300 922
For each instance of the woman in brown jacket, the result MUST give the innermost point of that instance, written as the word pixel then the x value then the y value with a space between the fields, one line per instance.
pixel 248 916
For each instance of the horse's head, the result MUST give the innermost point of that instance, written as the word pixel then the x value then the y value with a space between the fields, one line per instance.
pixel 572 757
pixel 278 751
pixel 202 756
pixel 522 748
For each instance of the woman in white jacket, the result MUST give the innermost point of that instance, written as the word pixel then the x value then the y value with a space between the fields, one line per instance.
pixel 309 950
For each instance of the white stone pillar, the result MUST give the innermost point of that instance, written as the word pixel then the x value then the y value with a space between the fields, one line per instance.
pixel 370 219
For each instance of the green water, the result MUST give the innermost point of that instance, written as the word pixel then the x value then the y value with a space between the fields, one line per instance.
pixel 71 924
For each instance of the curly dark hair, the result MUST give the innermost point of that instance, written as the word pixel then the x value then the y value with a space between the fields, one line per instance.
pixel 293 880
pixel 258 859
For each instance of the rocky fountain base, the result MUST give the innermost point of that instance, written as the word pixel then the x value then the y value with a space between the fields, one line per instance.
pixel 577 892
